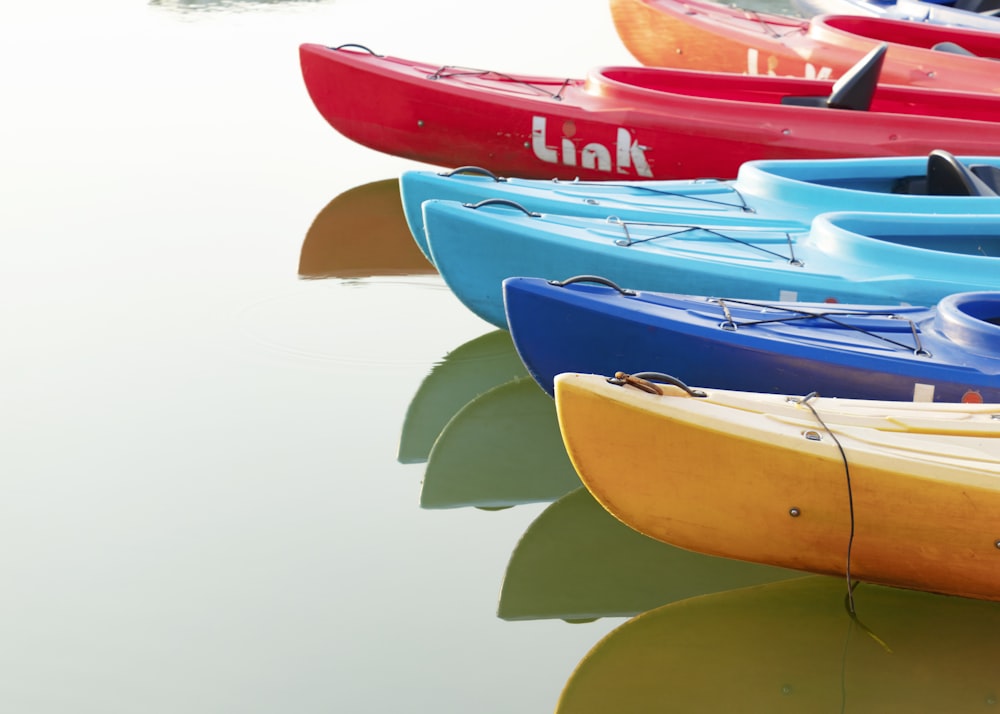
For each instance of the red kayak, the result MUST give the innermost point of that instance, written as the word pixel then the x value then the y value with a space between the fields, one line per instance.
pixel 704 35
pixel 633 122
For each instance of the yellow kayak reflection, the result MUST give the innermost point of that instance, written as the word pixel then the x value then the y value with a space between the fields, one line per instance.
pixel 362 233
pixel 577 562
pixel 792 646
pixel 466 372
pixel 501 449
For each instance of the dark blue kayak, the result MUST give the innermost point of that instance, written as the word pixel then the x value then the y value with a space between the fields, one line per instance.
pixel 948 352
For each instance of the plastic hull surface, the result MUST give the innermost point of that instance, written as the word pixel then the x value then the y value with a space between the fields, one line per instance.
pixel 904 494
pixel 624 122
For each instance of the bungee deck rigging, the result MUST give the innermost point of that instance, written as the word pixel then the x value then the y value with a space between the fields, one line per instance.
pixel 732 323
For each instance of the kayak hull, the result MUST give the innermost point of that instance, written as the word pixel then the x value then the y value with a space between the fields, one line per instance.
pixel 885 492
pixel 853 351
pixel 624 122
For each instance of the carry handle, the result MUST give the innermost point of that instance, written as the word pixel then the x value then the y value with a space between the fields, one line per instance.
pixel 502 202
pixel 646 381
pixel 475 171
pixel 356 46
pixel 591 279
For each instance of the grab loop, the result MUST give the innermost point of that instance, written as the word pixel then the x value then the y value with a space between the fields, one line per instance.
pixel 646 381
pixel 502 202
pixel 474 170
pixel 357 46
pixel 591 279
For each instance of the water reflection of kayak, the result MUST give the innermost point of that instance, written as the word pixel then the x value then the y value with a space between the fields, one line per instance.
pixel 463 374
pixel 184 6
pixel 577 562
pixel 793 646
pixel 361 233
pixel 501 449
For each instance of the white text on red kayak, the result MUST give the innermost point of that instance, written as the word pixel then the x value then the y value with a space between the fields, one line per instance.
pixel 628 154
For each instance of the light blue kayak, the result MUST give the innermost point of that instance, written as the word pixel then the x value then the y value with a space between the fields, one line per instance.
pixel 873 258
pixel 778 191
pixel 977 14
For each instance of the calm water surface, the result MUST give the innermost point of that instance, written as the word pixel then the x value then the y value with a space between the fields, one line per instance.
pixel 256 457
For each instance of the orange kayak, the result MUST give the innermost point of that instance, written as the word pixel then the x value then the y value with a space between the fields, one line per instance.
pixel 704 35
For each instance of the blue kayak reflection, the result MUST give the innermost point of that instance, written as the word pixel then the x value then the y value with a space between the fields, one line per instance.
pixel 487 431
pixel 492 441
pixel 501 449
pixel 795 646
pixel 462 375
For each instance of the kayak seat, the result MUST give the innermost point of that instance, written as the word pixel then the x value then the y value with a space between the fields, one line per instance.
pixel 855 87
pixel 947 176
pixel 911 185
pixel 981 6
pixel 990 175
pixel 952 48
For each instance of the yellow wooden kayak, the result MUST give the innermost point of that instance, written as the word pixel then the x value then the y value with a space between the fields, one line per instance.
pixel 898 493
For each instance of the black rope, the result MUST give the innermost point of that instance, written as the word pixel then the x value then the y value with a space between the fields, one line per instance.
pixel 711 231
pixel 828 316
pixel 558 95
pixel 754 15
pixel 850 496
pixel 742 206
pixel 451 71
